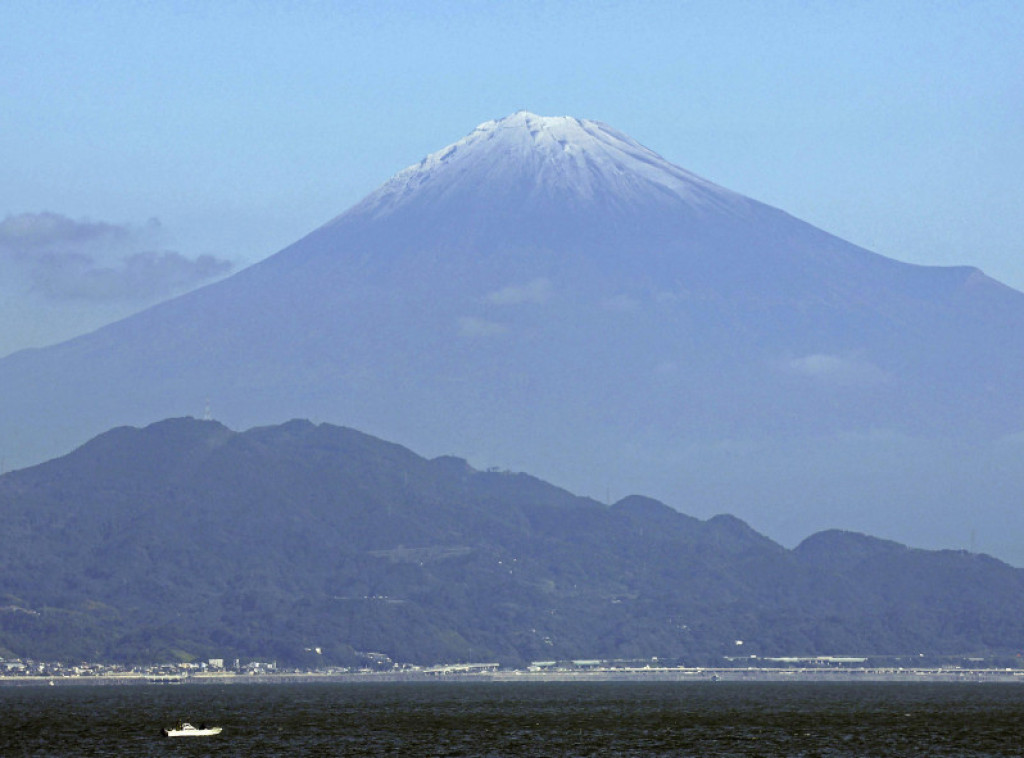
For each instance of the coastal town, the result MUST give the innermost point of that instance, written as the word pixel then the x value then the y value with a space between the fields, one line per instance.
pixel 380 668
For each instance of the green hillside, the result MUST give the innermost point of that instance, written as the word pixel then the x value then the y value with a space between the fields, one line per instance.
pixel 188 539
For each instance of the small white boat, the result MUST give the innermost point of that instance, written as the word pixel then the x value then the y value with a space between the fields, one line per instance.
pixel 185 729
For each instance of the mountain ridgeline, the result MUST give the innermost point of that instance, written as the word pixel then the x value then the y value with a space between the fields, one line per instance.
pixel 187 539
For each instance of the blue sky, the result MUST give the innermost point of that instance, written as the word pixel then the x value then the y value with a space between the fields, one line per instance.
pixel 149 147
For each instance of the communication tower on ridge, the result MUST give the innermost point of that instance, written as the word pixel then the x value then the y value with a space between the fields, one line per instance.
pixel 206 411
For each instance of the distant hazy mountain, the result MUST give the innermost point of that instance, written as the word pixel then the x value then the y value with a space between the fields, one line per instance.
pixel 188 539
pixel 548 295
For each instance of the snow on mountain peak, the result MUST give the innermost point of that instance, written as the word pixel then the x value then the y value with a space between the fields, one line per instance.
pixel 534 159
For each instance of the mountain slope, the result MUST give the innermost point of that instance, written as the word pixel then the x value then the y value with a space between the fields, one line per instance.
pixel 185 538
pixel 548 295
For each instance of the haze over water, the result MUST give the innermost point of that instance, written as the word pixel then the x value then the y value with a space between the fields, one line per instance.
pixel 549 719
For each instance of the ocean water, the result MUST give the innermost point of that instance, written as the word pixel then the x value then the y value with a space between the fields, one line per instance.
pixel 519 719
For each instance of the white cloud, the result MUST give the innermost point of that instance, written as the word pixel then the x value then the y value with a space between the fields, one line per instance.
pixel 537 291
pixel 623 303
pixel 836 369
pixel 470 326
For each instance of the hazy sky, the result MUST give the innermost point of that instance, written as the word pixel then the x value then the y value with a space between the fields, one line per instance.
pixel 149 147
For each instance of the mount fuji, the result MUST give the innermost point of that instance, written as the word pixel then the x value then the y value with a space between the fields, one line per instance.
pixel 548 295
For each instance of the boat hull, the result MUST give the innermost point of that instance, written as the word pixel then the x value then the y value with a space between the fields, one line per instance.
pixel 187 730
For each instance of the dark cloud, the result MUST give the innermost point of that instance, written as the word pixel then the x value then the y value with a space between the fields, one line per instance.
pixel 64 259
pixel 140 276
pixel 49 231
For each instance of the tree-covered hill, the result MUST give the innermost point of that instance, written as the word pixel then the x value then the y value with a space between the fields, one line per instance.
pixel 188 539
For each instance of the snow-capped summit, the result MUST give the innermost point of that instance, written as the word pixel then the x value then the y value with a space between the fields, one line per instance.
pixel 563 197
pixel 534 161
pixel 559 198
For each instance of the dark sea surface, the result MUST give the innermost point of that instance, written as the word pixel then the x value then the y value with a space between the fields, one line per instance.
pixel 533 719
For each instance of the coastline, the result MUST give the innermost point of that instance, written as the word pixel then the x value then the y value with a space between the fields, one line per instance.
pixel 694 675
